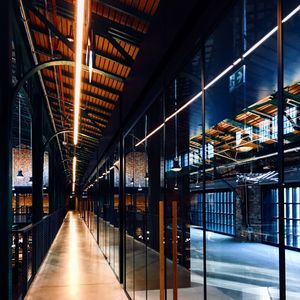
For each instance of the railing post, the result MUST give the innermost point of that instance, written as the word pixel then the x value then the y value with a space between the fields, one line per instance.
pixel 24 263
pixel 16 269
pixel 37 159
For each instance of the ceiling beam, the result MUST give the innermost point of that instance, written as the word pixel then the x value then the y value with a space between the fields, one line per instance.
pixel 91 107
pixel 101 24
pixel 84 127
pixel 97 86
pixel 84 67
pixel 70 110
pixel 86 93
pixel 125 9
pixel 84 115
pixel 49 25
pixel 124 31
pixel 94 84
pixel 97 52
pixel 119 48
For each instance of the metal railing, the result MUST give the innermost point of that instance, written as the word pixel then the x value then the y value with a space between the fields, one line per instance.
pixel 29 247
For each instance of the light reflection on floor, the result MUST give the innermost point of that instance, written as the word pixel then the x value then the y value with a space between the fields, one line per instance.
pixel 236 270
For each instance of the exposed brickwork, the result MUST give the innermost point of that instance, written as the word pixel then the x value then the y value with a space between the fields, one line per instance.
pixel 135 166
pixel 22 161
pixel 248 213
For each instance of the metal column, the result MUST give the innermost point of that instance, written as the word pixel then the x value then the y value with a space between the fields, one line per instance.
pixel 281 108
pixel 5 149
pixel 37 159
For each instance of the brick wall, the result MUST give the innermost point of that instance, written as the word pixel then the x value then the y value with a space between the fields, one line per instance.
pixel 136 163
pixel 248 213
pixel 22 161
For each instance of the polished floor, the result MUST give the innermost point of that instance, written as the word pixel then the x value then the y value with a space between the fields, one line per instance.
pixel 75 268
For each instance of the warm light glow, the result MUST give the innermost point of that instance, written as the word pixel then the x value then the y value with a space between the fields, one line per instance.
pixel 73 187
pixel 78 61
pixel 244 148
pixel 74 168
pixel 73 270
pixel 90 65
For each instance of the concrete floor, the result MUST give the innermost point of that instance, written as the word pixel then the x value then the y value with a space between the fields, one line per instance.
pixel 235 271
pixel 75 268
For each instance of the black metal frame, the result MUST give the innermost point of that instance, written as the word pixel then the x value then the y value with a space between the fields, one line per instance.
pixel 281 180
pixel 34 239
pixel 281 106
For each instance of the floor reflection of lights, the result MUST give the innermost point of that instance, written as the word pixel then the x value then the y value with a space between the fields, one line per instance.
pixel 73 268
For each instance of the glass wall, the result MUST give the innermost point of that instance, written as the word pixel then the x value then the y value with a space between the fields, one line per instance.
pixel 291 73
pixel 201 170
pixel 242 135
pixel 143 188
pixel 99 207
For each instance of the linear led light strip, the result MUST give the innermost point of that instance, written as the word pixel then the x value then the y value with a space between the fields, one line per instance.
pixel 78 61
pixel 217 78
pixel 74 173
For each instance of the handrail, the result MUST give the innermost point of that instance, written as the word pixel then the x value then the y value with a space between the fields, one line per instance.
pixel 30 246
pixel 31 226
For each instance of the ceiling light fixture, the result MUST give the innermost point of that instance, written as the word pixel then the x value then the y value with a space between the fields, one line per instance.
pixel 78 61
pixel 176 187
pixel 74 169
pixel 20 174
pixel 70 36
pixel 176 167
pixel 244 148
pixel 245 144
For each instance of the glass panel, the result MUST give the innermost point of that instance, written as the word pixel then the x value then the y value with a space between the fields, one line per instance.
pixel 154 182
pixel 291 47
pixel 139 163
pixel 241 125
pixel 21 162
pixel 130 214
pixel 116 212
pixel 183 165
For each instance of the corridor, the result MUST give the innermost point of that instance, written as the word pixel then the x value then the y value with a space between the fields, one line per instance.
pixel 75 268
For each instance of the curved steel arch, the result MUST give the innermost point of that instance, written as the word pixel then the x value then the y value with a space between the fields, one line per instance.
pixel 51 63
pixel 66 131
pixel 35 70
pixel 30 73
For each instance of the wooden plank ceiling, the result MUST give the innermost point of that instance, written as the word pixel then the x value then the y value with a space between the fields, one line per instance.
pixel 116 29
pixel 223 138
